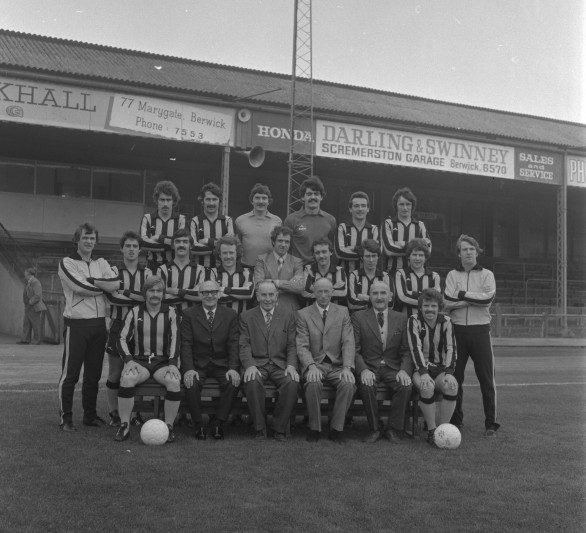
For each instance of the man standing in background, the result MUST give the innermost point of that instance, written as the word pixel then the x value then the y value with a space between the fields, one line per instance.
pixel 254 228
pixel 310 223
pixel 208 227
pixel 34 306
pixel 350 235
pixel 157 229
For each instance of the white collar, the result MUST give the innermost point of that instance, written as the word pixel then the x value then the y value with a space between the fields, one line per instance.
pixel 321 309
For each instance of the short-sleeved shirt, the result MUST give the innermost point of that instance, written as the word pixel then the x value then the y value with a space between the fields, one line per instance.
pixel 307 229
pixel 254 233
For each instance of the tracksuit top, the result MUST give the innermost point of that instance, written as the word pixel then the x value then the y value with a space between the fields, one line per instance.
pixel 468 295
pixel 82 299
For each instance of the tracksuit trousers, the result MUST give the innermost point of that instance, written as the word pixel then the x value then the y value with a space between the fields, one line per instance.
pixel 84 345
pixel 474 342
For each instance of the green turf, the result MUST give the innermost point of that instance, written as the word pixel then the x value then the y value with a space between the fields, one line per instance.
pixel 530 478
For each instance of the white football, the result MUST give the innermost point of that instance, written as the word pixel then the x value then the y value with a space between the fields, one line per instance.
pixel 154 432
pixel 447 437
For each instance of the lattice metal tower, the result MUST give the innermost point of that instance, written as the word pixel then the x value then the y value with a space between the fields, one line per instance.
pixel 300 162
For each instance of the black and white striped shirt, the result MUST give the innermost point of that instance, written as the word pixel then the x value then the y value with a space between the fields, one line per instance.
pixel 186 279
pixel 238 287
pixel 360 283
pixel 409 286
pixel 349 236
pixel 393 231
pixel 335 274
pixel 130 283
pixel 153 335
pixel 159 252
pixel 203 228
pixel 435 347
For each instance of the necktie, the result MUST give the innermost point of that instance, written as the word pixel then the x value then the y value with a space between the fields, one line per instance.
pixel 268 318
pixel 381 320
pixel 325 314
pixel 280 264
pixel 211 319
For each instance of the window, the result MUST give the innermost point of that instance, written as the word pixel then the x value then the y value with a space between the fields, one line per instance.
pixel 64 180
pixel 17 177
pixel 117 185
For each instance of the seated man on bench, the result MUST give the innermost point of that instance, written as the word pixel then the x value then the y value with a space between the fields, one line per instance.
pixel 153 326
pixel 268 354
pixel 325 347
pixel 382 356
pixel 209 349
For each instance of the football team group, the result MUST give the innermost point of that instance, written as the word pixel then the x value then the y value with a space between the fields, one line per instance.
pixel 302 304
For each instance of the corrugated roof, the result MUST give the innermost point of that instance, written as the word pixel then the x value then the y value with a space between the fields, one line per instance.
pixel 50 55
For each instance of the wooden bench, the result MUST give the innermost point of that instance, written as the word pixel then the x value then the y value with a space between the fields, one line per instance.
pixel 211 392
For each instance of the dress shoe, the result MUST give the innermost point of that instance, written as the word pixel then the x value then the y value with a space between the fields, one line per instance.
pixel 200 434
pixel 67 426
pixel 372 437
pixel 171 437
pixel 337 436
pixel 312 435
pixel 261 434
pixel 279 437
pixel 114 418
pixel 394 435
pixel 96 422
pixel 123 432
pixel 218 433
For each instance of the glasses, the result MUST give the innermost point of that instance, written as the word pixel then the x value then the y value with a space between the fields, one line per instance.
pixel 209 293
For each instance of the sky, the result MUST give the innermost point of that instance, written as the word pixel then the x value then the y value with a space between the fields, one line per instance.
pixel 523 56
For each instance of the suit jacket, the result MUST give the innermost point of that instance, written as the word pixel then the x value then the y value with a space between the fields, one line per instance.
pixel 200 346
pixel 33 295
pixel 290 278
pixel 315 339
pixel 257 344
pixel 369 346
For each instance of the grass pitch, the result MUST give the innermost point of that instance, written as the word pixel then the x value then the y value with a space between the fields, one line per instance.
pixel 530 478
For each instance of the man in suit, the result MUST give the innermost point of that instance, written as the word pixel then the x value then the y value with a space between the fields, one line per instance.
pixel 383 356
pixel 268 353
pixel 282 268
pixel 34 306
pixel 325 347
pixel 209 349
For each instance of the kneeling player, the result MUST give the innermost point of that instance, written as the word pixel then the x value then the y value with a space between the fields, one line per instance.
pixel 433 349
pixel 153 326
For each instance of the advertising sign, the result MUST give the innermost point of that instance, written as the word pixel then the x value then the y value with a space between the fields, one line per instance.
pixel 72 107
pixel 173 120
pixel 378 145
pixel 48 104
pixel 538 166
pixel 273 132
pixel 575 171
